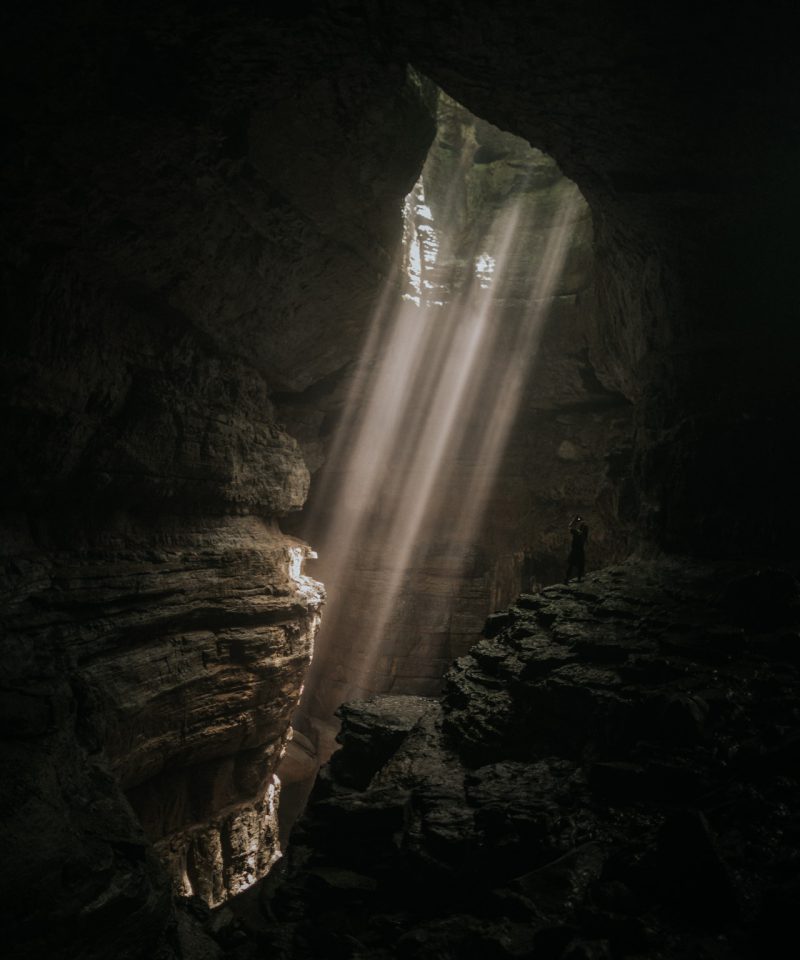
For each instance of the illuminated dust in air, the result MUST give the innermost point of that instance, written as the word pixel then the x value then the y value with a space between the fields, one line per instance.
pixel 438 385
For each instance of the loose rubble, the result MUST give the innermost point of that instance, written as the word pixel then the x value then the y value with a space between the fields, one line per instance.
pixel 611 772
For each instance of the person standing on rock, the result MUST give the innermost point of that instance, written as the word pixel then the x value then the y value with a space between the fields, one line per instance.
pixel 579 532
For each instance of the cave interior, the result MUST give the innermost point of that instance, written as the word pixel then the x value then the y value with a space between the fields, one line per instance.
pixel 320 326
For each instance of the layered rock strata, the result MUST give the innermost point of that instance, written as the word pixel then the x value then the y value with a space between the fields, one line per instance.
pixel 612 771
pixel 167 269
pixel 163 662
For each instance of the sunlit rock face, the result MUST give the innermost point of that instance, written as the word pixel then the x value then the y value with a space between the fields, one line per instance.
pixel 198 709
pixel 456 468
pixel 169 266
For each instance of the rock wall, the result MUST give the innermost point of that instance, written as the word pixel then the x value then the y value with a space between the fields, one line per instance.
pixel 163 660
pixel 678 127
pixel 168 266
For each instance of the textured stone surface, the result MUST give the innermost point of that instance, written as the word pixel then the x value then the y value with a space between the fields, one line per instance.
pixel 164 661
pixel 613 773
pixel 167 269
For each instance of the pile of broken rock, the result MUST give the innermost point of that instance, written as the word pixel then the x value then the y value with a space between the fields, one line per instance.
pixel 612 771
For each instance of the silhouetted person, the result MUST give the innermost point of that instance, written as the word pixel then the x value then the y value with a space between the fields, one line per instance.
pixel 528 574
pixel 579 532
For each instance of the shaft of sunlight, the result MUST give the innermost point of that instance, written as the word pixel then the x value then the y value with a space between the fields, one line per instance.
pixel 446 418
pixel 438 386
pixel 506 398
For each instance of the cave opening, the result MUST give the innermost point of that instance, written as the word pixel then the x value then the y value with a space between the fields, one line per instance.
pixel 424 519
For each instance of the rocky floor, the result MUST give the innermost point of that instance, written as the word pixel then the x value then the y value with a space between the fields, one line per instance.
pixel 612 772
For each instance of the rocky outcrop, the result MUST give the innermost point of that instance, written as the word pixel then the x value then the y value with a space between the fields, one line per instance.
pixel 610 772
pixel 199 697
pixel 163 661
pixel 167 269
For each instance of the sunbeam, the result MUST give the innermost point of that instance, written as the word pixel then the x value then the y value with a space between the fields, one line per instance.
pixel 431 406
